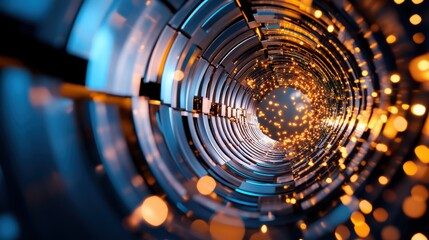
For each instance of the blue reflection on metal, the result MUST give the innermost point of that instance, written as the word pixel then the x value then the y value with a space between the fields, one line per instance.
pixel 99 62
pixel 193 14
pixel 215 13
pixel 87 21
pixel 29 10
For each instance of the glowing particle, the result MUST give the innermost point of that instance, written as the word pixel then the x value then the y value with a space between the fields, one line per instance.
pixel 264 228
pixel 318 14
pixel 365 206
pixel 420 192
pixel 422 152
pixel 293 200
pixel 383 180
pixel 410 168
pixel 364 73
pixel 419 236
pixel 362 229
pixel 391 39
pixel 423 65
pixel 381 147
pixel 400 124
pixel 357 217
pixel 303 226
pixel 398 1
pixel 178 75
pixel 413 207
pixel 395 78
pixel 342 232
pixel 415 19
pixel 380 215
pixel 154 210
pixel 206 185
pixel 417 1
pixel 419 38
pixel 388 91
pixel 331 28
pixel 328 180
pixel 223 227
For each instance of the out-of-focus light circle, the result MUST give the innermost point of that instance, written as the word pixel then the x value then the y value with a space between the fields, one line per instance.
pixel 226 227
pixel 418 109
pixel 422 152
pixel 410 168
pixel 417 1
pixel 413 207
pixel 395 78
pixel 400 124
pixel 331 28
pixel 264 228
pixel 380 215
pixel 383 180
pixel 419 236
pixel 398 1
pixel 154 211
pixel 423 65
pixel 391 233
pixel 420 192
pixel 419 38
pixel 206 185
pixel 342 232
pixel 200 226
pixel 357 217
pixel 365 206
pixel 318 14
pixel 362 229
pixel 178 75
pixel 415 19
pixel 391 39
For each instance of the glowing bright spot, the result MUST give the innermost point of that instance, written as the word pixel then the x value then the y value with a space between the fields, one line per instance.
pixel 419 38
pixel 264 228
pixel 417 1
pixel 423 65
pixel 410 168
pixel 400 124
pixel 364 73
pixel 357 217
pixel 420 192
pixel 422 152
pixel 391 39
pixel 380 215
pixel 395 78
pixel 318 14
pixel 415 19
pixel 362 229
pixel 398 1
pixel 418 109
pixel 388 91
pixel 413 207
pixel 154 210
pixel 419 236
pixel 331 28
pixel 178 75
pixel 206 185
pixel 383 180
pixel 381 147
pixel 365 206
pixel 342 232
pixel 226 227
pixel 328 180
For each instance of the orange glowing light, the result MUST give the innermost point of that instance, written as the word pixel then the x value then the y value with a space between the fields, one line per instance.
pixel 206 185
pixel 154 210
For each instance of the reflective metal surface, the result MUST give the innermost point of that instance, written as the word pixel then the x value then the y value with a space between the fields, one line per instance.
pixel 165 120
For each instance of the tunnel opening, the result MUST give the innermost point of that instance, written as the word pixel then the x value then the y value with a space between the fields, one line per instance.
pixel 169 114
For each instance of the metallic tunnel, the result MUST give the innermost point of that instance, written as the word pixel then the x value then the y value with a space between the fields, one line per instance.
pixel 214 119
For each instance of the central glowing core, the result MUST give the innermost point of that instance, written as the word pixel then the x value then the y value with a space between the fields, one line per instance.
pixel 283 114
